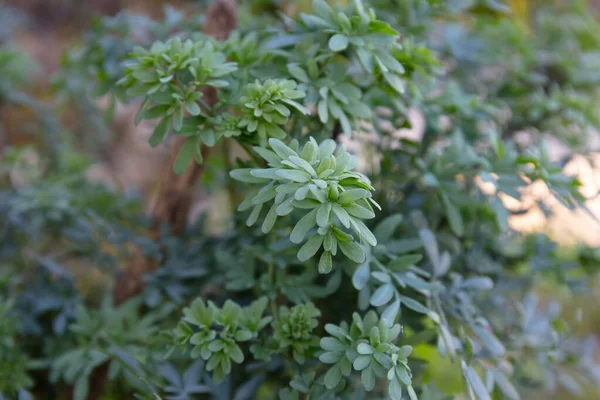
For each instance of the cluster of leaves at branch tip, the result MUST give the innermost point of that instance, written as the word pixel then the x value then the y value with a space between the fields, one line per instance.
pixel 214 332
pixel 170 76
pixel 265 107
pixel 359 31
pixel 294 328
pixel 368 346
pixel 319 181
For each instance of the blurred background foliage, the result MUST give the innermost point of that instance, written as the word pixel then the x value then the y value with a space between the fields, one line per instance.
pixel 76 176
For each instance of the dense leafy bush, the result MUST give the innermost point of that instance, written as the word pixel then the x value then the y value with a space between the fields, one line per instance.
pixel 363 260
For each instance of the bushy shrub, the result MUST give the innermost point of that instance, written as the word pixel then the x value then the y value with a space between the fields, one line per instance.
pixel 361 260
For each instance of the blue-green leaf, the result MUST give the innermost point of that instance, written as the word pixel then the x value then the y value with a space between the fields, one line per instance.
pixel 338 42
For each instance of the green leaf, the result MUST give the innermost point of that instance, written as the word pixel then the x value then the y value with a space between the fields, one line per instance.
pixel 475 382
pixel 325 263
pixel 243 336
pixel 330 243
pixel 321 8
pixel 395 389
pixel 266 173
pixel 361 276
pixel 382 295
pixel 431 246
pixel 309 151
pixel 403 262
pixel 332 344
pixel 305 165
pixel 145 76
pixel 502 214
pixel 368 378
pixel 218 83
pixel 330 357
pixel 266 194
pixel 323 111
pixel 305 224
pixel 208 137
pixel 391 63
pixel 178 119
pixel 318 21
pixel 478 283
pixel 403 245
pixel 301 193
pixel 366 59
pixel 192 107
pixel 298 73
pixel 286 207
pixel 323 214
pixel 395 82
pixel 156 112
pixel 245 175
pixel 505 385
pixel 333 377
pixel 381 27
pixel 414 305
pixel 341 214
pixel 388 316
pixel 326 148
pixel 270 219
pixel 254 215
pixel 359 211
pixel 345 122
pixel 386 228
pixel 281 149
pixel 361 362
pixel 341 235
pixel 351 195
pixel 352 251
pixel 294 175
pixel 403 375
pixel 363 231
pixel 272 158
pixel 364 348
pixel 160 133
pixel 310 248
pixel 338 42
pixel 297 106
pixel 454 216
pixel 81 389
pixel 185 155
pixel 490 341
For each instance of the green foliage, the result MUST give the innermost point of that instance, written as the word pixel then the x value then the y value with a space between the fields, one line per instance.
pixel 14 363
pixel 103 336
pixel 321 182
pixel 170 76
pixel 215 332
pixel 16 67
pixel 367 346
pixel 265 107
pixel 294 329
pixel 369 39
pixel 315 106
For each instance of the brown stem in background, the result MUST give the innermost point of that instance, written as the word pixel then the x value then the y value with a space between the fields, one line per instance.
pixel 172 200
